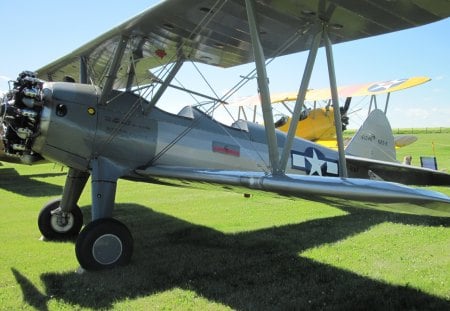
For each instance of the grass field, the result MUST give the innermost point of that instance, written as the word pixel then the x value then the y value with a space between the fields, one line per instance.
pixel 431 144
pixel 213 249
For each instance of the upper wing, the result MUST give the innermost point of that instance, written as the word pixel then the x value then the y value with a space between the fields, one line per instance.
pixel 216 33
pixel 372 88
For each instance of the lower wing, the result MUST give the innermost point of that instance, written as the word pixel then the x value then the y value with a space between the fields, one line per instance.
pixel 308 187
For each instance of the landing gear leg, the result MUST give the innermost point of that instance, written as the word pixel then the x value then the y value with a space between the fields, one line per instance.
pixel 62 219
pixel 105 242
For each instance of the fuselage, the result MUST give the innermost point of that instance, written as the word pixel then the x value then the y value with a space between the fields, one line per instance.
pixel 74 128
pixel 67 124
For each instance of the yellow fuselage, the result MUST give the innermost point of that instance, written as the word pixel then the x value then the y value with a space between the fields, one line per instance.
pixel 318 126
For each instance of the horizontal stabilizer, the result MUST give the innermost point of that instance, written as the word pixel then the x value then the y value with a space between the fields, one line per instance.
pixel 399 172
pixel 404 140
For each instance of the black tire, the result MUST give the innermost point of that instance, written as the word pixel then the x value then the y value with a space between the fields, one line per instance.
pixel 103 244
pixel 52 230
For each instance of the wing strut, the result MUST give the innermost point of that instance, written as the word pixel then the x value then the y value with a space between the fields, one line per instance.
pixel 164 85
pixel 373 101
pixel 387 102
pixel 136 55
pixel 83 70
pixel 118 54
pixel 263 85
pixel 278 165
pixel 322 34
pixel 335 102
pixel 299 103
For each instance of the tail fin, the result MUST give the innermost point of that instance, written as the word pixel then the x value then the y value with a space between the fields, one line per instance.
pixel 374 140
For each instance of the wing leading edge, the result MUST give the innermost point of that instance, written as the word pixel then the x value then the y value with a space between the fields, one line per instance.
pixel 216 33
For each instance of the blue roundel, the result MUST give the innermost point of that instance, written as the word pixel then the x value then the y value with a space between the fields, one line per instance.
pixel 313 162
pixel 383 86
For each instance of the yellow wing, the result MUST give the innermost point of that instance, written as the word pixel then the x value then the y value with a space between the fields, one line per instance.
pixel 372 88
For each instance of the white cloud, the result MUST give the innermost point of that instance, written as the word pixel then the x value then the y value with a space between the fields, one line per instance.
pixel 421 117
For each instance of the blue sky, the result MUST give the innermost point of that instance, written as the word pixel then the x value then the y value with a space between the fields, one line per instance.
pixel 36 33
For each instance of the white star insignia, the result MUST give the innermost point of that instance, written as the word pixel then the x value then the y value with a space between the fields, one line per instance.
pixel 316 164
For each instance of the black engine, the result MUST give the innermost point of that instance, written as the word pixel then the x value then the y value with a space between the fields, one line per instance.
pixel 19 113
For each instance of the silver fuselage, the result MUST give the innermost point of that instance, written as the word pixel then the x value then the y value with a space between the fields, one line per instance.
pixel 74 129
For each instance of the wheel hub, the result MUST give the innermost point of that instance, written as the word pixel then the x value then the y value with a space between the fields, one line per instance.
pixel 62 222
pixel 107 249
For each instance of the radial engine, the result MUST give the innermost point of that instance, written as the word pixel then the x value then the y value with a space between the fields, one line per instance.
pixel 19 115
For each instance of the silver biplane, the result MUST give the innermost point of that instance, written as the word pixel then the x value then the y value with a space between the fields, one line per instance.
pixel 86 110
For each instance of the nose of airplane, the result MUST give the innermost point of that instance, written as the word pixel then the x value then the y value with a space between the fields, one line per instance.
pixel 19 115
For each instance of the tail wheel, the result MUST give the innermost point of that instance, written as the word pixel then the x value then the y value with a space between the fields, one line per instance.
pixel 104 243
pixel 57 225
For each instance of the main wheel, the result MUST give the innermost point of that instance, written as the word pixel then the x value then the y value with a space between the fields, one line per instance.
pixel 56 225
pixel 104 243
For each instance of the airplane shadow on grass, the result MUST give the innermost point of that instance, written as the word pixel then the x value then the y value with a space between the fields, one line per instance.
pixel 25 185
pixel 256 270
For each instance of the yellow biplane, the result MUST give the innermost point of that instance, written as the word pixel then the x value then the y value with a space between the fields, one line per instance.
pixel 317 123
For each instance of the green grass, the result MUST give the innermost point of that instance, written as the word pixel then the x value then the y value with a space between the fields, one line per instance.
pixel 437 145
pixel 428 130
pixel 213 249
pixel 409 131
pixel 394 261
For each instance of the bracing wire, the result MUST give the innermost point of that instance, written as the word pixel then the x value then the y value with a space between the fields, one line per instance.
pixel 179 53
